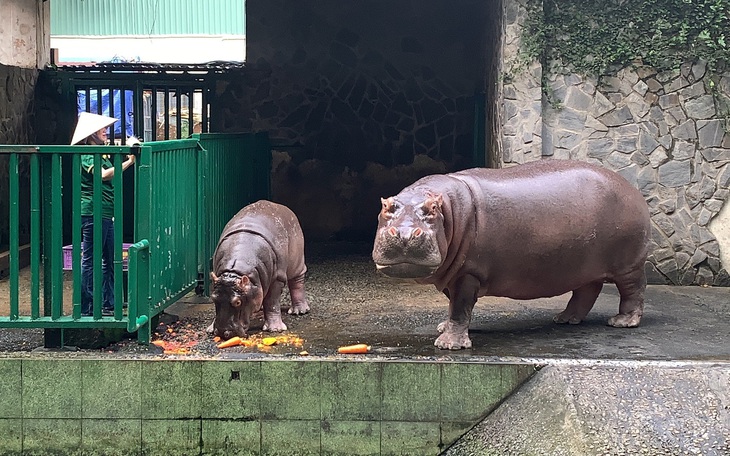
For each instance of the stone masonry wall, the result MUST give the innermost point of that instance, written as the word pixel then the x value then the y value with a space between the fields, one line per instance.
pixel 665 132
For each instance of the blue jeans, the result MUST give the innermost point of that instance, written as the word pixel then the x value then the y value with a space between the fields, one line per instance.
pixel 87 264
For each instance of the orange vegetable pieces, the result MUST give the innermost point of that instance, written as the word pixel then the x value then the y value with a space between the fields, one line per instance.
pixel 269 340
pixel 159 343
pixel 216 339
pixel 354 349
pixel 232 342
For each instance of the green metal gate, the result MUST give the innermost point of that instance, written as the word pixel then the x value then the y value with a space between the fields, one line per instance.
pixel 183 194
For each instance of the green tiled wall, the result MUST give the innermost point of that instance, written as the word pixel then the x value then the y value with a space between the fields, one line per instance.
pixel 229 407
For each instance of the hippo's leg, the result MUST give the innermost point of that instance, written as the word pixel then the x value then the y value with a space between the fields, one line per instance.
pixel 272 308
pixel 580 304
pixel 631 288
pixel 455 331
pixel 299 305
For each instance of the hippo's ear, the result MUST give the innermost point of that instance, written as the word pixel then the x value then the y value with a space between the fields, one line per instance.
pixel 245 283
pixel 433 203
pixel 388 206
pixel 213 277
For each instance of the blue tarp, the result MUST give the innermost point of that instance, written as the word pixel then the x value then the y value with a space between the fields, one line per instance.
pixel 117 99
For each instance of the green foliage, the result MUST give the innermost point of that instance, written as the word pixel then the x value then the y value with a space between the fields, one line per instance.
pixel 591 37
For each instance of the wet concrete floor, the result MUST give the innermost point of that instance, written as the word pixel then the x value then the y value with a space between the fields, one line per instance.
pixel 352 303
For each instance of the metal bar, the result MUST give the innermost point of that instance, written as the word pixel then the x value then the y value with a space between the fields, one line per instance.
pixel 178 117
pixel 191 113
pixel 76 234
pixel 167 112
pixel 153 114
pixel 112 134
pixel 35 235
pixel 65 322
pixel 139 291
pixel 123 118
pixel 56 238
pixel 97 240
pixel 204 110
pixel 14 236
pixel 118 225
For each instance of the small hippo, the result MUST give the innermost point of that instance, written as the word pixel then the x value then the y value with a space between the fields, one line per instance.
pixel 260 251
pixel 535 230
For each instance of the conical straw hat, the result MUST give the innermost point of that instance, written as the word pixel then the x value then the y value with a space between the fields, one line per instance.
pixel 90 123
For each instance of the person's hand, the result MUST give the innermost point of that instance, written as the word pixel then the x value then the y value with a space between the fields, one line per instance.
pixel 131 158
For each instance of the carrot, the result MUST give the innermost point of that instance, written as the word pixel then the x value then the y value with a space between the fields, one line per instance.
pixel 354 349
pixel 232 342
pixel 159 343
pixel 216 339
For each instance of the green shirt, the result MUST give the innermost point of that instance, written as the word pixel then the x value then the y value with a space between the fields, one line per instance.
pixel 87 187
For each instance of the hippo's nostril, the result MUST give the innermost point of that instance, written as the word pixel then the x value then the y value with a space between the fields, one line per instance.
pixel 227 335
pixel 417 232
pixel 393 232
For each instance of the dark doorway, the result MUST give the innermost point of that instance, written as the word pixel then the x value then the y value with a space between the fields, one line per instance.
pixel 362 98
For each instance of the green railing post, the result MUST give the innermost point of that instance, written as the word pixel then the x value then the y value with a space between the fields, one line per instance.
pixel 138 310
pixel 14 237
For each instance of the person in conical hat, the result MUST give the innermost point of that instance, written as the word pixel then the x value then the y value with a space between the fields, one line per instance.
pixel 91 129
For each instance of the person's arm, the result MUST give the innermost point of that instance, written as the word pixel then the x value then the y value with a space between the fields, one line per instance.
pixel 108 173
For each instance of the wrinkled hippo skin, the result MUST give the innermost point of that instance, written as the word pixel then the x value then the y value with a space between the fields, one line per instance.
pixel 260 250
pixel 535 230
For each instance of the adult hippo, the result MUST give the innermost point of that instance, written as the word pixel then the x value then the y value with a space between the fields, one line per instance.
pixel 260 251
pixel 535 230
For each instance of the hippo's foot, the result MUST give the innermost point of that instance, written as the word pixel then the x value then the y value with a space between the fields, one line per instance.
pixel 299 308
pixel 630 320
pixel 567 317
pixel 453 341
pixel 210 329
pixel 274 326
pixel 442 326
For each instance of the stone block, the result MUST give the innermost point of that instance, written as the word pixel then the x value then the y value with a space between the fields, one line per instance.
pixel 647 143
pixel 300 400
pixel 231 437
pixel 182 396
pixel 111 436
pixel 57 399
pixel 601 105
pixel 410 391
pixel 350 437
pixel 698 69
pixel 111 389
pixel 669 101
pixel 674 173
pixel 300 437
pixel 232 390
pixel 676 84
pixel 619 116
pixel 654 85
pixel 700 108
pixel 714 154
pixel 683 150
pixel 340 402
pixel 577 99
pixel 685 130
pixel 618 160
pixel 710 132
pixel 641 88
pixel 637 105
pixel 695 90
pixel 37 433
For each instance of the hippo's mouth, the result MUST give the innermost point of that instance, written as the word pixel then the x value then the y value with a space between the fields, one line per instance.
pixel 406 270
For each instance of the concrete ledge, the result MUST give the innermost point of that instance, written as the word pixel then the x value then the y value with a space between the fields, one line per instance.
pixel 163 407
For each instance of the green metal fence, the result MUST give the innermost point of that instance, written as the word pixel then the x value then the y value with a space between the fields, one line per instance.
pixel 236 170
pixel 184 193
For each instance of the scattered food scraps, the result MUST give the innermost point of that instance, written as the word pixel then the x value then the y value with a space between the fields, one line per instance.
pixel 268 340
pixel 232 342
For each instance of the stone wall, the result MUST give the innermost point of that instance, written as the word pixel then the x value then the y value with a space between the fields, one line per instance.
pixel 347 88
pixel 666 132
pixel 17 87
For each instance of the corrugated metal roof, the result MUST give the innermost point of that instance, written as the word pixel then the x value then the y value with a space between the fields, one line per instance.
pixel 147 17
